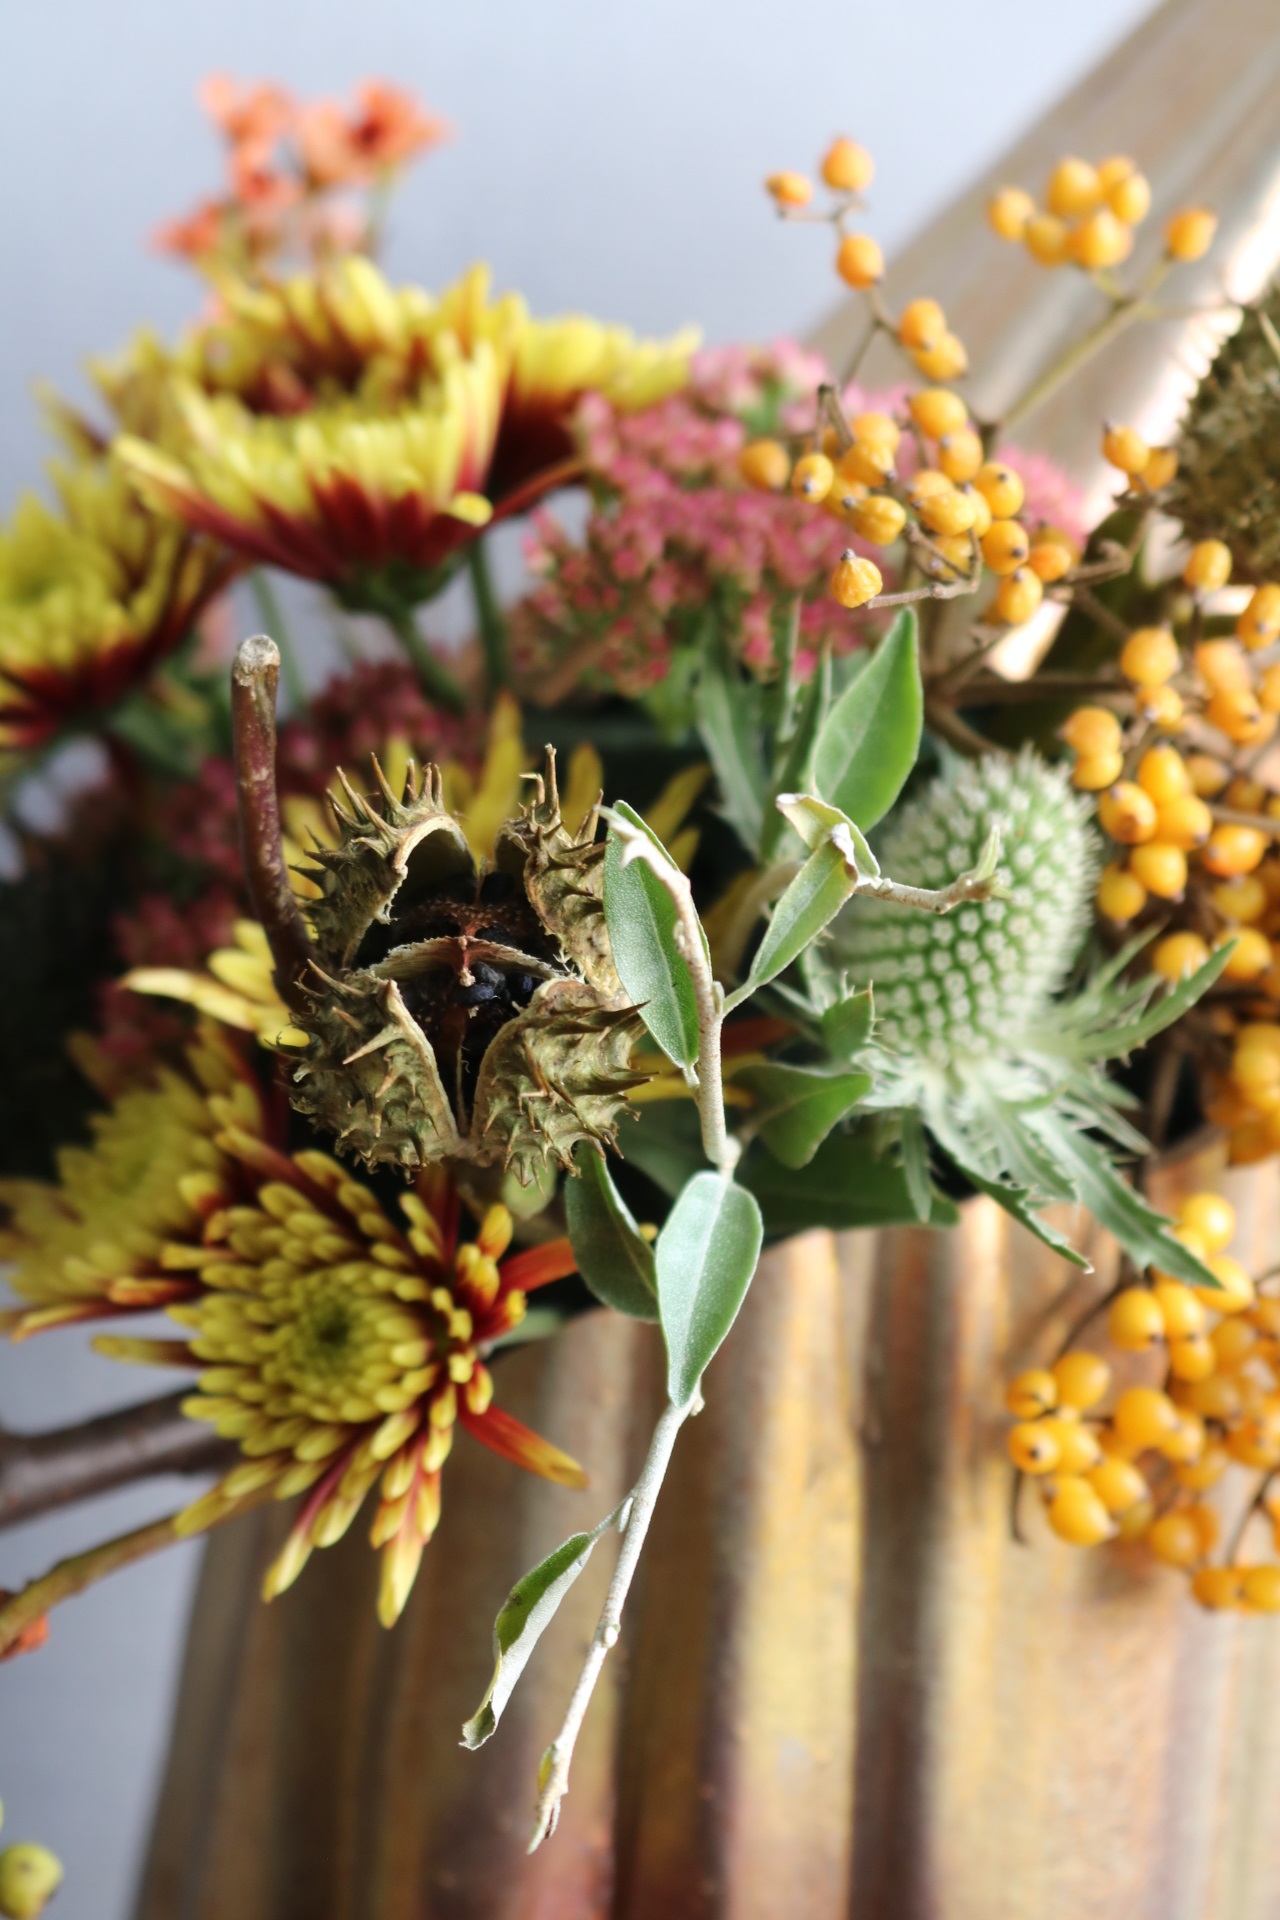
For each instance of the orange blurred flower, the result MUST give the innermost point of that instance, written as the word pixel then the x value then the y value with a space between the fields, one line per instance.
pixel 389 127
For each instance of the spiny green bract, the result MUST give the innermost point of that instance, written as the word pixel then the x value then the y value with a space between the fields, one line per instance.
pixel 1227 486
pixel 969 983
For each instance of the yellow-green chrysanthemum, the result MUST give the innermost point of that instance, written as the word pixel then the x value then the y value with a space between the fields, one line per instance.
pixel 92 595
pixel 335 1347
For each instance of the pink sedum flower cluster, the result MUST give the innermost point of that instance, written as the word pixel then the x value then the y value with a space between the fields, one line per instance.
pixel 675 535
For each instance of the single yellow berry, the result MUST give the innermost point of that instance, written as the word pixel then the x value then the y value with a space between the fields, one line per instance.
pixel 1125 449
pixel 1237 712
pixel 855 581
pixel 29 1878
pixel 1162 772
pixel 790 189
pixel 859 260
pixel 1161 868
pixel 1260 1589
pixel 946 512
pixel 1005 546
pixel 812 477
pixel 1259 624
pixel 1078 1447
pixel 1099 241
pixel 1269 688
pixel 921 324
pixel 1092 730
pixel 938 412
pixel 1051 558
pixel 1047 239
pixel 1002 489
pixel 1192 1358
pixel 1031 1447
pixel 1187 1440
pixel 1234 1344
pixel 1134 1320
pixel 1160 469
pixel 1178 956
pixel 1017 597
pixel 1234 1291
pixel 1094 771
pixel 981 511
pixel 1082 1377
pixel 847 167
pixel 879 518
pixel 1115 168
pixel 765 464
pixel 879 431
pixel 1217 1588
pixel 956 556
pixel 1031 1393
pixel 1076 1513
pixel 1118 1484
pixel 1209 775
pixel 1251 954
pixel 1130 199
pixel 1175 1539
pixel 1232 849
pixel 1184 822
pixel 865 463
pixel 1074 188
pixel 1223 665
pixel 1189 235
pixel 1243 899
pixel 1008 211
pixel 1212 1217
pixel 1150 656
pixel 1162 706
pixel 1127 814
pixel 1208 566
pixel 960 454
pixel 1180 1310
pixel 1121 896
pixel 946 360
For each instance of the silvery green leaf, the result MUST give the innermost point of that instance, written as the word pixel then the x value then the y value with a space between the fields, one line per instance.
pixel 871 737
pixel 641 917
pixel 798 1106
pixel 614 1258
pixel 706 1256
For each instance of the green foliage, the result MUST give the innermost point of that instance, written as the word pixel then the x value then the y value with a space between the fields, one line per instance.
pixel 641 917
pixel 614 1258
pixel 848 1183
pixel 728 708
pixel 869 741
pixel 798 1106
pixel 706 1256
pixel 524 1617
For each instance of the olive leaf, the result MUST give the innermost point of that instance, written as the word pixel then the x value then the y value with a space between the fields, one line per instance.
pixel 798 1106
pixel 614 1258
pixel 524 1617
pixel 641 917
pixel 706 1256
pixel 870 739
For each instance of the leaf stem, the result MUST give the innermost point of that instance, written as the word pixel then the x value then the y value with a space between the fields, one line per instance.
pixel 554 1772
pixel 489 621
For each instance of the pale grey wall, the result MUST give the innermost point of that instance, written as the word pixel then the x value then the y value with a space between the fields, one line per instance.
pixel 607 157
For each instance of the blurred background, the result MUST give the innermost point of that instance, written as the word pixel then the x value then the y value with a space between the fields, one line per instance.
pixel 604 158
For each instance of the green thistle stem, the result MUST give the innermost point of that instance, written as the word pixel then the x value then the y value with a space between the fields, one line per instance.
pixel 489 621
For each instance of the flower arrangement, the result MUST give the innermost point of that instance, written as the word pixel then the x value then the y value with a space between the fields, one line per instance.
pixel 811 915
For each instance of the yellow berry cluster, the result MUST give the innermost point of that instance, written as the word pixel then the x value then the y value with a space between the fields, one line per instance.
pixel 958 509
pixel 1089 215
pixel 1141 1469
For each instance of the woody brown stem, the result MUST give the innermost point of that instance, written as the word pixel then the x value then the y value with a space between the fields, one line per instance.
pixel 42 1471
pixel 255 675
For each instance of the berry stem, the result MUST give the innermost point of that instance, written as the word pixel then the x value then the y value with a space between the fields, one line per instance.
pixel 638 1512
pixel 1121 314
pixel 255 674
pixel 434 677
pixel 42 1471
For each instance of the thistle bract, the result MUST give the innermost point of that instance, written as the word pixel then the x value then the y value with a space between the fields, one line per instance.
pixel 460 1012
pixel 1227 485
pixel 970 983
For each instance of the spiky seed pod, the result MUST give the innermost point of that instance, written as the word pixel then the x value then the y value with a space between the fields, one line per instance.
pixel 1227 486
pixel 456 1013
pixel 969 983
